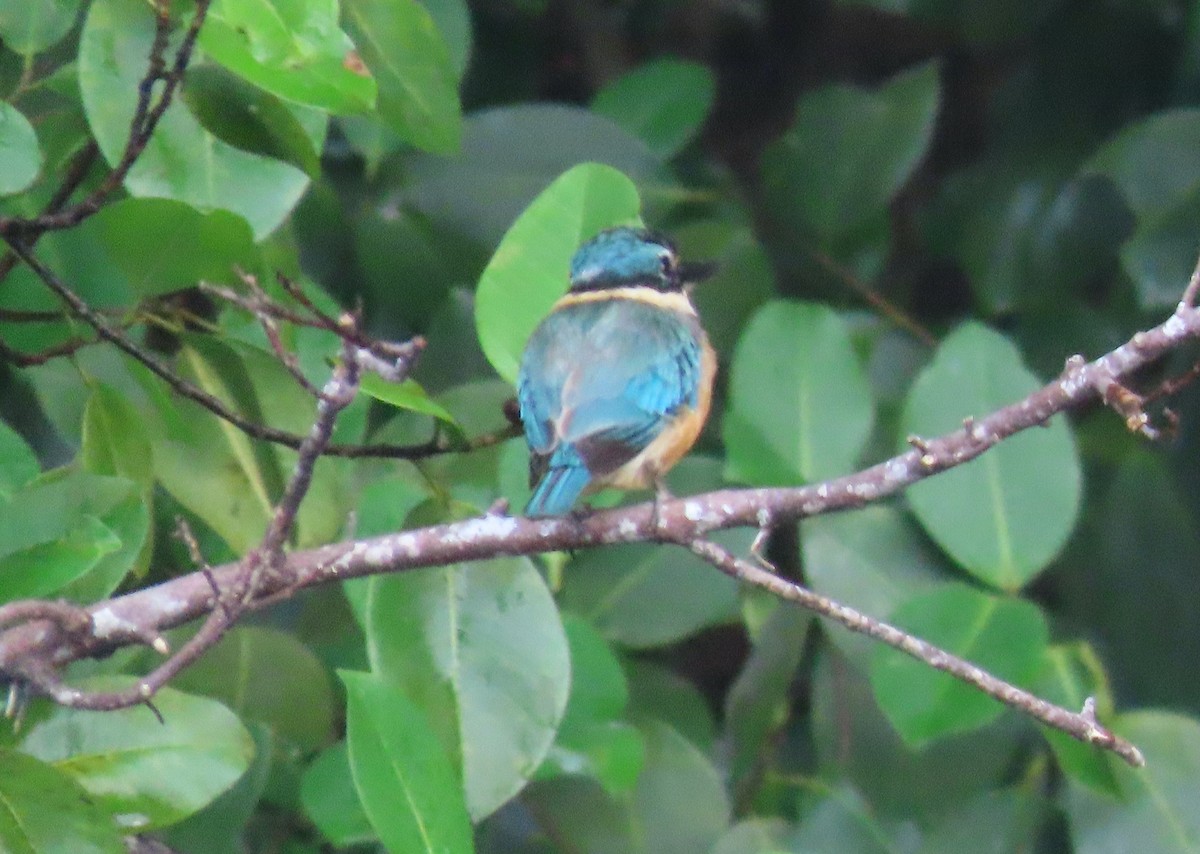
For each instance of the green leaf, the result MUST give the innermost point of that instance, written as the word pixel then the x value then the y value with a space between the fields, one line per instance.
pixel 657 693
pixel 1156 810
pixel 182 161
pixel 679 802
pixel 854 741
pixel 44 811
pixel 1152 162
pixel 1070 674
pixel 30 26
pixel 115 440
pixel 406 784
pixel 248 118
pixel 65 523
pixel 291 48
pixel 217 471
pixel 219 827
pixel 453 19
pixel 49 566
pixel 663 102
pixel 148 774
pixel 872 560
pixel 1013 819
pixel 480 647
pixel 794 374
pixel 1162 253
pixel 18 463
pixel 407 395
pixel 331 801
pixel 163 245
pixel 1006 637
pixel 850 151
pixel 266 675
pixel 758 704
pixel 1005 515
pixel 20 157
pixel 754 836
pixel 511 154
pixel 531 266
pixel 403 49
pixel 593 739
pixel 838 818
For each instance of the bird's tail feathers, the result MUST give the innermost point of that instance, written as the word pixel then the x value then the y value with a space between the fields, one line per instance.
pixel 557 492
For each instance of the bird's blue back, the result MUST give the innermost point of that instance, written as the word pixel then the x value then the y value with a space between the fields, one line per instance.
pixel 599 381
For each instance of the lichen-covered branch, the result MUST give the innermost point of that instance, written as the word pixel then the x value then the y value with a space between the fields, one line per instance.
pixel 39 647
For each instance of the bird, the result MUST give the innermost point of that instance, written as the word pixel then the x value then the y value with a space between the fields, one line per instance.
pixel 616 382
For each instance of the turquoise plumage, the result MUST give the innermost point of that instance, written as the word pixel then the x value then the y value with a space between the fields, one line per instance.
pixel 615 383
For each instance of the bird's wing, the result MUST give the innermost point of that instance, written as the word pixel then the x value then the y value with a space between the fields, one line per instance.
pixel 641 365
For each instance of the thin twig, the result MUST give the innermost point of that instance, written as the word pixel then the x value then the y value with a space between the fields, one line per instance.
pixel 436 446
pixel 1082 726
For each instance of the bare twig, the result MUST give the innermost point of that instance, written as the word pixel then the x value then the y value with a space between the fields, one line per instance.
pixel 1082 726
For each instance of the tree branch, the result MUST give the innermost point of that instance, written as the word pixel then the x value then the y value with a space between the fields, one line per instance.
pixel 33 650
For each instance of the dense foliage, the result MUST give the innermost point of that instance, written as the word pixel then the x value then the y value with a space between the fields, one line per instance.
pixel 921 208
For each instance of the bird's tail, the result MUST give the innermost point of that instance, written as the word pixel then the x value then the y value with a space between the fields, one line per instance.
pixel 556 493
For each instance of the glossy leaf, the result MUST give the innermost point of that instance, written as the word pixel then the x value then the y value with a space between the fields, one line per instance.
pixel 269 676
pixel 480 647
pixel 44 811
pixel 406 395
pixel 20 157
pixel 1005 515
pixel 292 49
pixel 1006 637
pixel 331 801
pixel 182 161
pixel 405 782
pixel 1156 809
pixel 57 528
pixel 402 48
pixel 794 374
pixel 663 102
pixel 530 268
pixel 850 150
pixel 148 774
pixel 31 26
pixel 838 818
pixel 248 118
pixel 164 246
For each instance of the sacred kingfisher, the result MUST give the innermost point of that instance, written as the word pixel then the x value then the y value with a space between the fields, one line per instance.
pixel 616 382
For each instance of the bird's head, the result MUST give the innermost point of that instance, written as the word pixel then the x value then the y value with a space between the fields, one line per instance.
pixel 627 257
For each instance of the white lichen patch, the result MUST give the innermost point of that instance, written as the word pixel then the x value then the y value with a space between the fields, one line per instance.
pixel 1174 328
pixel 693 511
pixel 106 624
pixel 483 528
